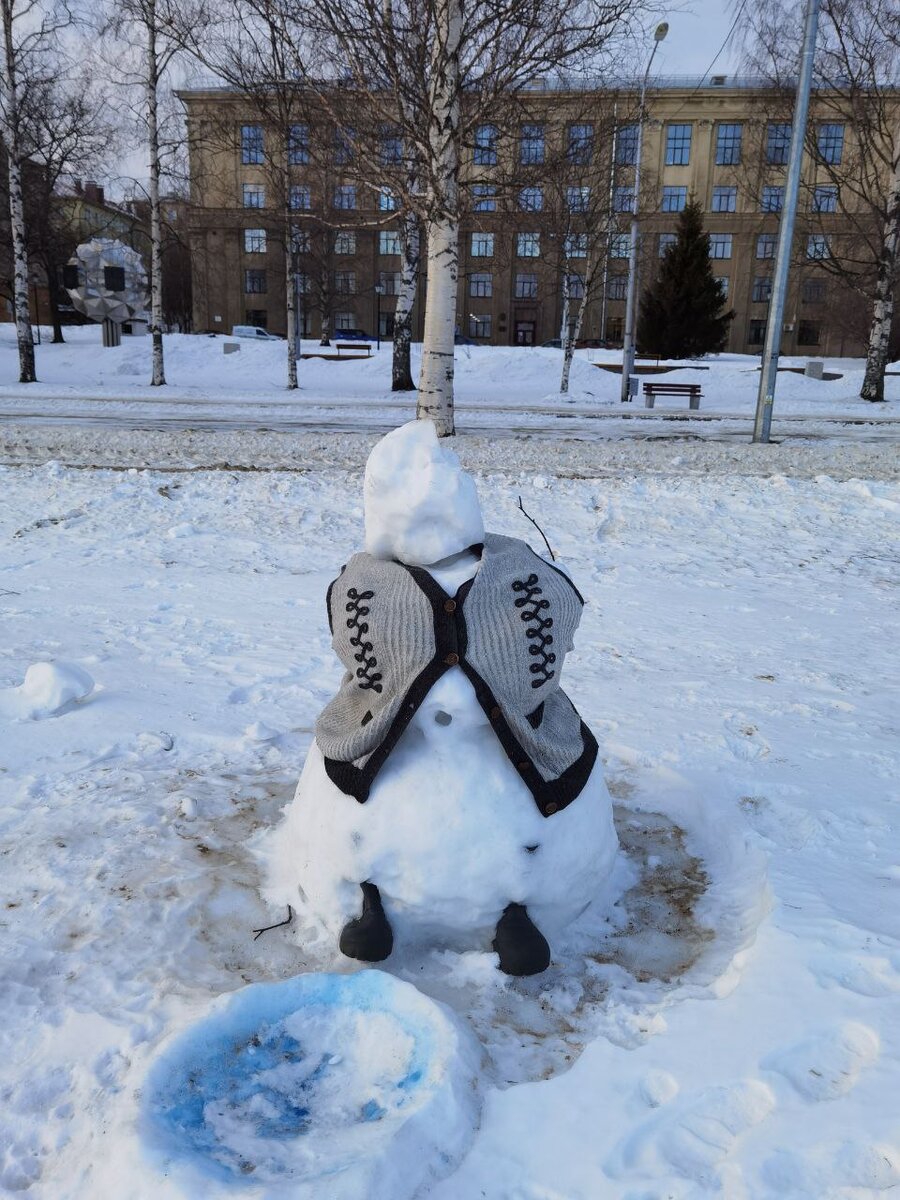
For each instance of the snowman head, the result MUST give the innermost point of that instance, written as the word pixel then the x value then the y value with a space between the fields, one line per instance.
pixel 420 505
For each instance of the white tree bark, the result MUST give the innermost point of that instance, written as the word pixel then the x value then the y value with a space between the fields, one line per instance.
pixel 290 287
pixel 9 104
pixel 568 343
pixel 401 370
pixel 438 347
pixel 883 310
pixel 158 377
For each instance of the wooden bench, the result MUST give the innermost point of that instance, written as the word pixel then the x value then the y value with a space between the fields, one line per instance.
pixel 691 390
pixel 353 346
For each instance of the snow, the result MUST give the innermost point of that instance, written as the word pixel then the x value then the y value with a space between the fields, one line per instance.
pixel 48 689
pixel 728 1028
pixel 358 1084
pixel 420 506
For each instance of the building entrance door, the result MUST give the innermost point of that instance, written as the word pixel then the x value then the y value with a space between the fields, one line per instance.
pixel 525 333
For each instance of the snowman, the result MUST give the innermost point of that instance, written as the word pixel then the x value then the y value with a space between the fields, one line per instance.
pixel 452 795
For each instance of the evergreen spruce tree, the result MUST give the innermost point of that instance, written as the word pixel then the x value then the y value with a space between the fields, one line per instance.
pixel 681 314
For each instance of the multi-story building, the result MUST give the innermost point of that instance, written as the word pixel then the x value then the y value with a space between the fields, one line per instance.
pixel 724 142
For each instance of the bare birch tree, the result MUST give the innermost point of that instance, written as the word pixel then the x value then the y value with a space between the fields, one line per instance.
pixel 30 62
pixel 440 69
pixel 857 176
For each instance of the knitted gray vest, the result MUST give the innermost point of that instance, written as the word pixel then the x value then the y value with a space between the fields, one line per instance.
pixel 508 628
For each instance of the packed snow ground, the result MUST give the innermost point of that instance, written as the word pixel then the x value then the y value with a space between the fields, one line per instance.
pixel 496 387
pixel 729 1029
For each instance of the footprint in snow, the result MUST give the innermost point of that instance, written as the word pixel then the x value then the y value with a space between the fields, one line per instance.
pixel 857 973
pixel 693 1136
pixel 743 738
pixel 828 1064
pixel 819 1170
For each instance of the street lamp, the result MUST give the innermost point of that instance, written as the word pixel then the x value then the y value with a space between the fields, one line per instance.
pixel 628 348
pixel 379 292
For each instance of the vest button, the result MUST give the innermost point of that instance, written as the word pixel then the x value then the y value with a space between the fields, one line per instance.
pixel 551 808
pixel 495 713
pixel 449 606
pixel 451 660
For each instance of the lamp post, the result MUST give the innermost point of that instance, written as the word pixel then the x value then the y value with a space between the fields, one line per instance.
pixel 628 347
pixel 379 292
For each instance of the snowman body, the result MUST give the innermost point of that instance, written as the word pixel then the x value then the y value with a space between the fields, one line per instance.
pixel 450 833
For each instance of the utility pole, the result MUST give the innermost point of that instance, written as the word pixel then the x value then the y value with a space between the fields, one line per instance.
pixel 628 342
pixel 772 347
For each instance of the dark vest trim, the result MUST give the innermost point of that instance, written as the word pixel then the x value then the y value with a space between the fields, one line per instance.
pixel 450 637
pixel 561 574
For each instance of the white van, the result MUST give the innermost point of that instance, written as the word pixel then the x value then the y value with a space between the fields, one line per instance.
pixel 256 332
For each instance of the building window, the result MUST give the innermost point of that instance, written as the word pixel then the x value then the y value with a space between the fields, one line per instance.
pixel 485 154
pixel 343 145
pixel 618 287
pixel 300 196
pixel 528 245
pixel 825 198
pixel 480 325
pixel 301 283
pixel 390 148
pixel 778 143
pixel 578 199
pixel 813 291
pixel 344 196
pixel 762 289
pixel 720 245
pixel 388 241
pixel 298 145
pixel 665 241
pixel 255 281
pixel 387 201
pixel 300 243
pixel 765 245
pixel 575 245
pixel 482 245
pixel 724 199
pixel 620 245
pixel 817 246
pixel 581 144
pixel 345 242
pixel 623 199
pixel 255 241
pixel 531 199
pixel 484 196
pixel 252 144
pixel 526 287
pixel 673 199
pixel 574 284
pixel 258 317
pixel 756 334
pixel 345 320
pixel 481 284
pixel 531 145
pixel 678 145
pixel 808 333
pixel 772 199
pixel 728 145
pixel 254 195
pixel 614 329
pixel 345 283
pixel 391 281
pixel 830 143
pixel 626 146
pixel 724 285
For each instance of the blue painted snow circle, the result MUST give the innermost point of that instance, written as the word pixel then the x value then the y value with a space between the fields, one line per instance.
pixel 286 1083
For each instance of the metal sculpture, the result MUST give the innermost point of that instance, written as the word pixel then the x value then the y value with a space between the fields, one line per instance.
pixel 106 281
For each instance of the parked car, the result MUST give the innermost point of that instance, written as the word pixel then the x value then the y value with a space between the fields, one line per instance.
pixel 255 333
pixel 352 335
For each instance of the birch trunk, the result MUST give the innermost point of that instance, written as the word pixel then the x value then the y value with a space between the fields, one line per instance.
pixel 567 341
pixel 11 132
pixel 158 377
pixel 290 292
pixel 401 370
pixel 588 285
pixel 436 376
pixel 883 313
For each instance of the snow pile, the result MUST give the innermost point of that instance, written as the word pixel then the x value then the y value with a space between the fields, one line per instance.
pixel 358 1080
pixel 420 505
pixel 49 689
